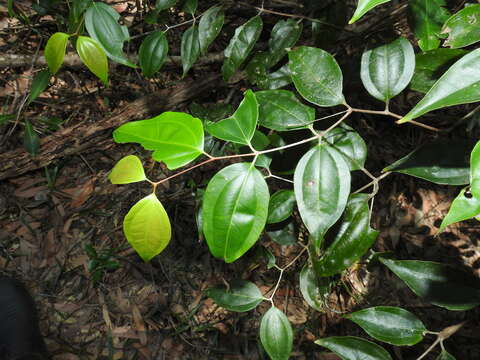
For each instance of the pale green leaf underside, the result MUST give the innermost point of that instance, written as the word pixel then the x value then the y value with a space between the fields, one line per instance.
pixel 276 334
pixel 127 170
pixel 463 28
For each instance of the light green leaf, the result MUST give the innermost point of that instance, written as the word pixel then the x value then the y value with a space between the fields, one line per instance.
pixel 281 206
pixel 350 144
pixel 463 28
pixel 153 53
pixel 190 48
pixel 235 209
pixel 354 348
pixel 128 169
pixel 39 84
pixel 190 6
pixel 475 171
pixel 465 206
pixel 240 127
pixel 209 27
pixel 284 35
pixel 316 75
pixel 365 6
pixel 176 138
pixel 438 284
pixel 388 69
pixel 161 5
pixel 55 51
pixel 276 334
pixel 93 56
pixel 286 236
pixel 31 141
pixel 240 296
pixel 313 288
pixel 390 324
pixel 445 356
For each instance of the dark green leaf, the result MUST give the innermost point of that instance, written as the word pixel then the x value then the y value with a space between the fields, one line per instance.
pixel 164 4
pixel 445 356
pixel 276 334
pixel 286 236
pixel 55 51
pixel 313 288
pixel 190 6
pixel 260 141
pixel 93 56
pixel 267 256
pixel 256 69
pixel 39 84
pixel 241 296
pixel 31 141
pixel 4 118
pixel 463 28
pixel 276 80
pixel 152 53
pixel 281 206
pixel 354 348
pixel 285 34
pixel 211 112
pixel 365 6
pixel 464 207
pixel 351 145
pixel 475 171
pixel 209 27
pixel 190 48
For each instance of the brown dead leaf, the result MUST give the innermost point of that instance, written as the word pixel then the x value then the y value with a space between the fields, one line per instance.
pixel 139 324
pixel 82 193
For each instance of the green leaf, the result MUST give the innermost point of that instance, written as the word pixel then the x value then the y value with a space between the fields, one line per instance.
pixel 463 28
pixel 390 324
pixel 354 348
pixel 240 46
pixel 153 53
pixel 240 296
pixel 128 169
pixel 5 118
pixel 256 69
pixel 440 162
pixel 313 288
pixel 260 141
pixel 102 25
pixel 316 75
pixel 176 138
pixel 276 80
pixel 426 18
pixel 55 51
pixel 350 144
pixel 93 56
pixel 459 85
pixel 240 127
pixel 281 110
pixel 276 334
pixel 365 6
pixel 284 35
pixel 438 284
pixel 266 255
pixel 281 206
pixel 286 236
pixel 147 227
pixel 161 5
pixel 464 207
pixel 388 69
pixel 190 48
pixel 209 27
pixel 190 6
pixel 429 66
pixel 322 186
pixel 31 141
pixel 235 209
pixel 352 240
pixel 39 84
pixel 445 356
pixel 475 171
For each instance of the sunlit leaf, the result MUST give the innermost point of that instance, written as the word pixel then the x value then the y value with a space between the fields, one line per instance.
pixel 276 334
pixel 350 144
pixel 365 6
pixel 153 53
pixel 93 56
pixel 190 48
pixel 465 206
pixel 39 84
pixel 55 51
pixel 31 141
pixel 475 171
pixel 354 348
pixel 313 288
pixel 284 35
pixel 240 296
pixel 463 28
pixel 127 170
pixel 209 27
pixel 281 206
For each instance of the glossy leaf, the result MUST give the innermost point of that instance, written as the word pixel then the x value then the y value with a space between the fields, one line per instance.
pixel 281 206
pixel 313 288
pixel 55 51
pixel 438 284
pixel 464 207
pixel 176 138
pixel 276 80
pixel 190 6
pixel 352 240
pixel 475 171
pixel 164 4
pixel 354 348
pixel 316 75
pixel 31 141
pixel 128 169
pixel 209 27
pixel 426 18
pixel 257 68
pixel 190 48
pixel 93 56
pixel 365 6
pixel 445 356
pixel 390 324
pixel 459 85
pixel 147 227
pixel 285 34
pixel 440 162
pixel 281 110
pixel 39 84
pixel 276 334
pixel 350 144
pixel 322 186
pixel 153 53
pixel 388 69
pixel 240 46
pixel 286 236
pixel 235 209
pixel 240 127
pixel 102 25
pixel 240 296
pixel 463 28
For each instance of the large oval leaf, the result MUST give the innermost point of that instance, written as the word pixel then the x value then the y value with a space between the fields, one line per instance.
pixel 465 206
pixel 354 348
pixel 281 206
pixel 55 51
pixel 316 75
pixel 93 56
pixel 276 334
pixel 209 27
pixel 190 48
pixel 365 6
pixel 152 53
pixel 475 171
pixel 436 283
pixel 147 227
pixel 235 209
pixel 459 85
pixel 313 288
pixel 322 186
pixel 390 324
pixel 176 138
pixel 387 70
pixel 463 28
pixel 127 170
pixel 284 35
pixel 240 296
pixel 350 144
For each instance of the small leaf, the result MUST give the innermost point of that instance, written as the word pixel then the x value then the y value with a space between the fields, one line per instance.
pixel 316 75
pixel 164 4
pixel 286 236
pixel 190 6
pixel 445 356
pixel 350 144
pixel 39 84
pixel 354 348
pixel 93 56
pixel 365 6
pixel 55 51
pixel 235 209
pixel 464 207
pixel 31 141
pixel 152 53
pixel 147 227
pixel 313 288
pixel 390 324
pixel 209 27
pixel 241 296
pixel 190 48
pixel 388 69
pixel 284 35
pixel 281 206
pixel 438 284
pixel 240 127
pixel 260 141
pixel 463 28
pixel 475 171
pixel 128 170
pixel 266 255
pixel 276 334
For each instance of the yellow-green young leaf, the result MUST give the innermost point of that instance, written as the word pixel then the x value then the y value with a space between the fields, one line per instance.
pixel 276 334
pixel 127 170
pixel 363 7
pixel 475 171
pixel 354 348
pixel 147 227
pixel 465 206
pixel 55 51
pixel 93 56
